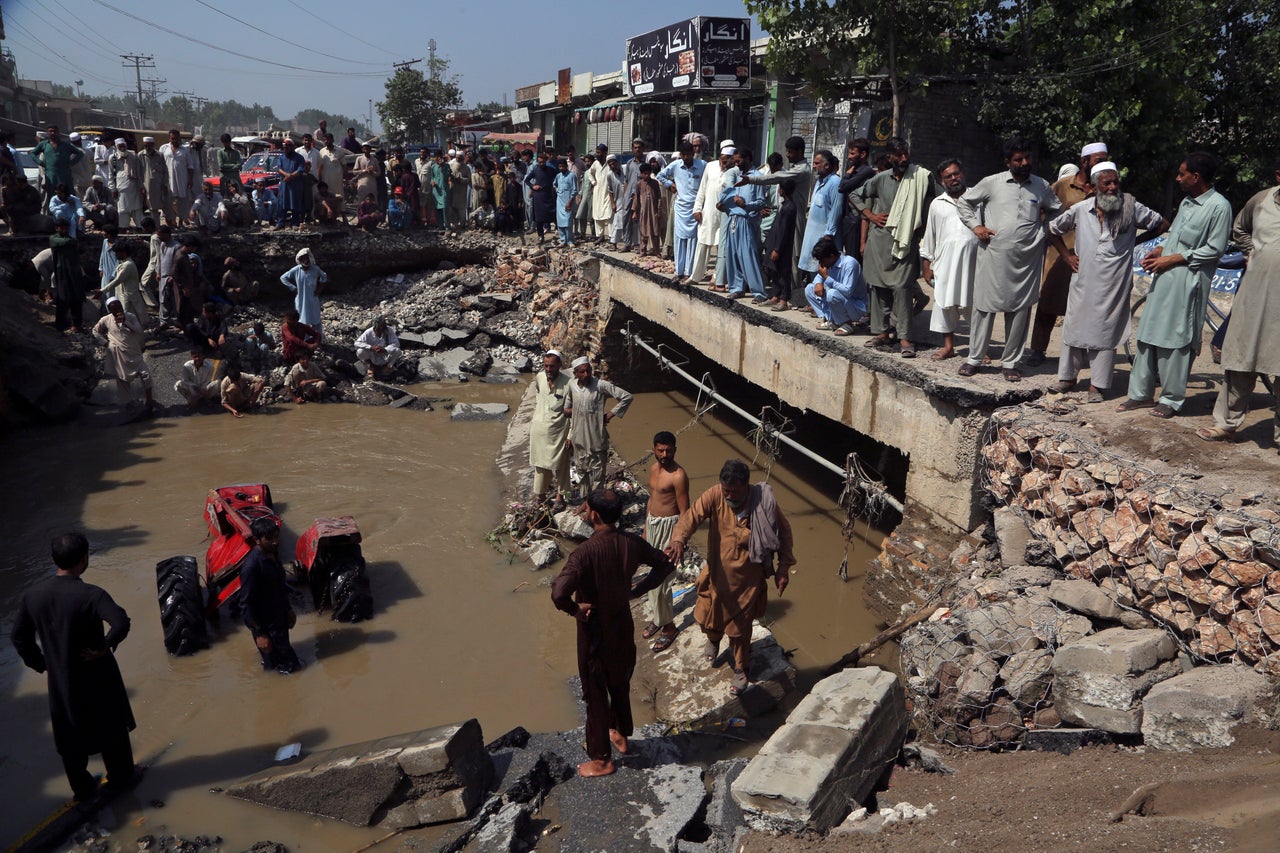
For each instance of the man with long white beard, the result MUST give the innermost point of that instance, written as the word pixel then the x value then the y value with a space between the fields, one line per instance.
pixel 1097 319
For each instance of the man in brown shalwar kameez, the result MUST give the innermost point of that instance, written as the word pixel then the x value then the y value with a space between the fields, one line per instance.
pixel 595 588
pixel 747 530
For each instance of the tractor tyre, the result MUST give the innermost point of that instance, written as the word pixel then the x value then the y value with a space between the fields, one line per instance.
pixel 350 596
pixel 181 606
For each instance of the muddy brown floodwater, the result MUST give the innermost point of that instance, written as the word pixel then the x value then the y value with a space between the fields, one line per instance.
pixel 449 639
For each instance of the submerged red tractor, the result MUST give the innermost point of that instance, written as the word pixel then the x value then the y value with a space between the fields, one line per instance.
pixel 329 561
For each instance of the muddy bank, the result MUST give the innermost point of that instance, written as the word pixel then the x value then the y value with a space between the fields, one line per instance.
pixel 461 317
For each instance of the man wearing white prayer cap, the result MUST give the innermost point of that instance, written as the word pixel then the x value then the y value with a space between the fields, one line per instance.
pixel 587 434
pixel 155 180
pixel 123 333
pixel 1105 226
pixel 1056 283
pixel 549 448
pixel 707 213
pixel 124 179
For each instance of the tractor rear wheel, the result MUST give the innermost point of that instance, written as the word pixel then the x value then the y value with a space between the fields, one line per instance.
pixel 181 605
pixel 350 595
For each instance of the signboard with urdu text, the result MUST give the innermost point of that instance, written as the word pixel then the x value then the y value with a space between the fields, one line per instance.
pixel 697 54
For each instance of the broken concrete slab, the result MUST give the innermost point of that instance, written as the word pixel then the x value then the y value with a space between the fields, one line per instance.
pixel 443 365
pixel 542 553
pixel 404 400
pixel 478 411
pixel 1099 681
pixel 455 335
pixel 430 776
pixel 506 831
pixel 418 339
pixel 1200 708
pixel 1012 535
pixel 685 690
pixel 632 810
pixel 829 754
pixel 726 823
pixel 1085 597
pixel 572 525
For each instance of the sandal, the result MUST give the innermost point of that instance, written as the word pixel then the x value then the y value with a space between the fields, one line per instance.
pixel 1011 374
pixel 908 350
pixel 649 630
pixel 967 369
pixel 879 341
pixel 1130 405
pixel 739 682
pixel 710 651
pixel 843 331
pixel 1062 386
pixel 1163 411
pixel 664 641
pixel 1216 433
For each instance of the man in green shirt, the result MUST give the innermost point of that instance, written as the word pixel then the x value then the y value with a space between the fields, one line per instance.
pixel 1169 330
pixel 56 156
pixel 228 161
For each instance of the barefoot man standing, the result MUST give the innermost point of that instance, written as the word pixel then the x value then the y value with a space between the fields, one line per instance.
pixel 668 499
pixel 596 588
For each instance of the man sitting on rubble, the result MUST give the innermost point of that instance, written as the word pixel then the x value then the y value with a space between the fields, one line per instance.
pixel 297 337
pixel 208 332
pixel 236 286
pixel 240 391
pixel 377 349
pixel 327 207
pixel 198 382
pixel 307 381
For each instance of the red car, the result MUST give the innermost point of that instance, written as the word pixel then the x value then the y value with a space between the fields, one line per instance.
pixel 260 166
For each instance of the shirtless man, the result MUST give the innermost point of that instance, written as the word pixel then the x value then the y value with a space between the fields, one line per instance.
pixel 668 499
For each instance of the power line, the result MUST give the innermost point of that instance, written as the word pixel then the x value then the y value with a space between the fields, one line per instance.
pixel 139 62
pixel 340 28
pixel 276 36
pixel 408 63
pixel 54 52
pixel 250 57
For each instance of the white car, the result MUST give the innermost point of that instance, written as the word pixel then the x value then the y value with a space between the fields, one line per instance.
pixel 28 165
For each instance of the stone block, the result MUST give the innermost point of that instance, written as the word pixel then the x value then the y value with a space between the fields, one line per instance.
pixel 1021 577
pixel 542 553
pixel 572 525
pixel 1085 597
pixel 1200 708
pixel 1027 676
pixel 1099 681
pixel 406 780
pixel 829 754
pixel 478 411
pixel 1065 741
pixel 1012 535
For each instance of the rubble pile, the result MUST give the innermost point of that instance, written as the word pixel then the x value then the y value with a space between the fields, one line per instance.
pixel 1073 603
pixel 1205 566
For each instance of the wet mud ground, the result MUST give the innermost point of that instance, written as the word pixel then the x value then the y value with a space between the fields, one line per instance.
pixel 449 640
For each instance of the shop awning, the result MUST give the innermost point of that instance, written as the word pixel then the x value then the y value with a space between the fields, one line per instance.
pixel 528 138
pixel 607 102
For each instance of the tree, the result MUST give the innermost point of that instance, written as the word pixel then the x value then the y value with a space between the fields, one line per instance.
pixel 308 119
pixel 1151 78
pixel 490 107
pixel 828 45
pixel 415 103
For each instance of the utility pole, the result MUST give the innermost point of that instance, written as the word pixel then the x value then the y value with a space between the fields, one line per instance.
pixel 408 63
pixel 431 52
pixel 139 62
pixel 154 84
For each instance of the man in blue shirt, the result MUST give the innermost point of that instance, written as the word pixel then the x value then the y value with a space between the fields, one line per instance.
pixel 838 293
pixel 681 178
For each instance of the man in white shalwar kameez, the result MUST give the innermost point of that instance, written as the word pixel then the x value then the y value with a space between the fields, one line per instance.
pixel 377 348
pixel 124 336
pixel 549 449
pixel 1106 226
pixel 706 210
pixel 949 258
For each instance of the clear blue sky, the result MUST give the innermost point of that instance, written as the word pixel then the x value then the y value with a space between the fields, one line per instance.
pixel 492 46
